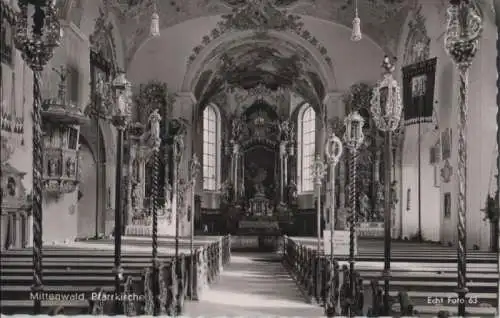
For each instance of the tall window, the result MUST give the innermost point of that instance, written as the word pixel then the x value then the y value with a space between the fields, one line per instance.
pixel 211 136
pixel 306 147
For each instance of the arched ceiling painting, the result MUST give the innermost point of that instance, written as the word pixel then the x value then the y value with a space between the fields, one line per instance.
pixel 382 20
pixel 260 60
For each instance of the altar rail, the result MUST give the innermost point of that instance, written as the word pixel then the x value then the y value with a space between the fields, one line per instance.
pixel 174 282
pixel 324 283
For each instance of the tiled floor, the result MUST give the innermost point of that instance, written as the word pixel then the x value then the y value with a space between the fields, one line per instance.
pixel 253 284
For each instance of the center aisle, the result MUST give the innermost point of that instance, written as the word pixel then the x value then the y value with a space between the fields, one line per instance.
pixel 253 284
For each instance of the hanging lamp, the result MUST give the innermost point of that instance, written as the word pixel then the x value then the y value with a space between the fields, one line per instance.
pixel 356 26
pixel 155 22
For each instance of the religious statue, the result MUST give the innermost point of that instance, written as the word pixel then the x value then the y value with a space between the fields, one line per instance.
pixel 236 147
pixel 168 191
pixel 227 191
pixel 394 196
pixel 258 181
pixel 62 71
pixel 292 191
pixel 52 167
pixel 122 104
pixel 136 195
pixel 236 128
pixel 70 168
pixel 365 206
pixel 100 86
pixel 283 148
pixel 178 146
pixel 284 128
pixel 154 120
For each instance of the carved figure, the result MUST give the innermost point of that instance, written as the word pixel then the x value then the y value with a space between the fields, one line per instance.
pixel 284 128
pixel 136 195
pixel 70 167
pixel 258 181
pixel 168 194
pixel 236 128
pixel 100 86
pixel 178 146
pixel 227 191
pixel 292 191
pixel 365 205
pixel 122 104
pixel 154 120
pixel 52 167
pixel 236 147
pixel 283 148
pixel 394 196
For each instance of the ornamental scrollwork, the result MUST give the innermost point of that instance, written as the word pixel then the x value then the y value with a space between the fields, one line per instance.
pixel 260 15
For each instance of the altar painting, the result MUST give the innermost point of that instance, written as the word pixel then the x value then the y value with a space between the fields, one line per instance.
pixel 260 170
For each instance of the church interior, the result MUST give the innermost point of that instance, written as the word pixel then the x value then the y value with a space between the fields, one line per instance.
pixel 229 116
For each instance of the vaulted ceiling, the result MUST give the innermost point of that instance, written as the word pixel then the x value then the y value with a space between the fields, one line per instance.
pixel 382 20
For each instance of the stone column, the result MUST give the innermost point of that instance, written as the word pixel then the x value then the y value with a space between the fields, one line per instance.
pixel 184 109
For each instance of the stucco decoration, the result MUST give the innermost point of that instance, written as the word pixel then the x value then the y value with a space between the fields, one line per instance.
pixel 382 20
pixel 417 43
pixel 246 98
pixel 259 15
pixel 261 62
pixel 278 3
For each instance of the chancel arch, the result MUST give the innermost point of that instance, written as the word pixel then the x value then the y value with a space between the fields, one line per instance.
pixel 259 58
pixel 220 46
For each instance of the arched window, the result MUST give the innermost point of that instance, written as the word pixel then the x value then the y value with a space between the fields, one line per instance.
pixel 211 148
pixel 306 147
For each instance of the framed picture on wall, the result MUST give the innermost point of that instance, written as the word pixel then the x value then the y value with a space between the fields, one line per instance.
pixel 446 139
pixel 447 204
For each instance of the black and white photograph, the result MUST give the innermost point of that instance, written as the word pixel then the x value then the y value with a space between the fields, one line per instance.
pixel 246 158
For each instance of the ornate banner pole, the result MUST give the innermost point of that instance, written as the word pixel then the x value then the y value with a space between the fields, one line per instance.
pixel 319 171
pixel 353 138
pixel 154 120
pixel 193 171
pixel 282 170
pixel 497 19
pixel 461 42
pixel 37 47
pixel 333 151
pixel 120 119
pixel 178 151
pixel 386 112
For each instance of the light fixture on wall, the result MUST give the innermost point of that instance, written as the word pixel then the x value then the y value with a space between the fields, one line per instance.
pixel 155 22
pixel 356 25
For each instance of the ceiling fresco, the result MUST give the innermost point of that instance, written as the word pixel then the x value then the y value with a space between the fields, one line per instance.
pixel 382 20
pixel 260 61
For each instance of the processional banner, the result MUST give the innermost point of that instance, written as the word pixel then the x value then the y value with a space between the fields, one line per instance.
pixel 418 91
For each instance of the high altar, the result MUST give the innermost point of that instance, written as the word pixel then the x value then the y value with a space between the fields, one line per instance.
pixel 259 180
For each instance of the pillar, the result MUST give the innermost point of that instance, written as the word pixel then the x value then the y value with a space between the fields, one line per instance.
pixel 184 108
